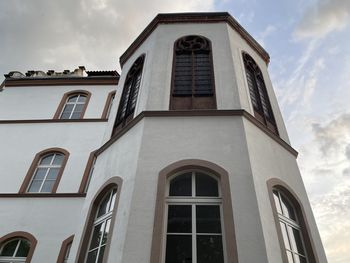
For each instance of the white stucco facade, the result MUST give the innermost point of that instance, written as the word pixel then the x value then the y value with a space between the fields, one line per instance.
pixel 249 153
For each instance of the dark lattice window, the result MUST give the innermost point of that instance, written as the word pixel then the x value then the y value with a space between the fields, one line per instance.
pixel 258 93
pixel 193 76
pixel 129 97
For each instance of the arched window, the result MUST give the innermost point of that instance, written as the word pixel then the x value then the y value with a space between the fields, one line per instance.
pixel 45 172
pixel 194 219
pixel 63 256
pixel 108 106
pixel 290 227
pixel 73 105
pixel 96 239
pixel 258 94
pixel 17 247
pixel 128 100
pixel 193 74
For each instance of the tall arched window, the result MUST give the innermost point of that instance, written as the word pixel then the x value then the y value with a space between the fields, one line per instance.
pixel 96 238
pixel 128 100
pixel 194 225
pixel 258 94
pixel 193 74
pixel 73 105
pixel 17 247
pixel 45 172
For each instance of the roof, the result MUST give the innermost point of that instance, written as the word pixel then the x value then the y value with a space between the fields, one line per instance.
pixel 212 17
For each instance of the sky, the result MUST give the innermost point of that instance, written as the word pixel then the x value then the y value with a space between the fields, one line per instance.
pixel 308 42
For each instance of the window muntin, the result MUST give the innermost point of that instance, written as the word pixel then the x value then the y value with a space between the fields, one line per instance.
pixel 101 228
pixel 194 227
pixel 193 75
pixel 128 100
pixel 46 173
pixel 15 250
pixel 258 93
pixel 74 107
pixel 290 228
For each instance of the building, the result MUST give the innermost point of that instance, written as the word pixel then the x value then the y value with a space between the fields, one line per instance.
pixel 182 158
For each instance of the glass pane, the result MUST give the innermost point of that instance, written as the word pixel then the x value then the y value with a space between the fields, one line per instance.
pixel 179 219
pixel 114 194
pixel 299 259
pixel 52 174
pixel 181 185
pixel 9 248
pixel 91 258
pixel 178 249
pixel 208 219
pixel 288 210
pixel 65 115
pixel 40 173
pixel 68 108
pixel 23 248
pixel 96 235
pixel 73 98
pixel 78 108
pixel 76 115
pixel 285 236
pixel 48 185
pixel 35 186
pixel 106 232
pixel 295 239
pixel 277 202
pixel 102 209
pixel 100 255
pixel 46 159
pixel 290 257
pixel 66 256
pixel 82 98
pixel 209 249
pixel 206 185
pixel 58 159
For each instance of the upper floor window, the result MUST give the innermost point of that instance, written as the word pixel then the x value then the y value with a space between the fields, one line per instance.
pixel 73 105
pixel 109 104
pixel 194 219
pixel 101 227
pixel 63 256
pixel 45 172
pixel 193 74
pixel 291 228
pixel 128 100
pixel 258 94
pixel 15 250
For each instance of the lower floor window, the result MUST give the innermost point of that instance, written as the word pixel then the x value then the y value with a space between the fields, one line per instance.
pixel 15 250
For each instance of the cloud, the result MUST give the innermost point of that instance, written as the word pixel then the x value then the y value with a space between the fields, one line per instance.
pixel 322 18
pixel 65 34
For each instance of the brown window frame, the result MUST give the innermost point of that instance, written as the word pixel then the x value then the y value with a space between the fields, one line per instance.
pixel 65 98
pixel 33 166
pixel 63 250
pixel 192 45
pixel 114 182
pixel 107 108
pixel 157 249
pixel 87 173
pixel 259 94
pixel 128 100
pixel 279 185
pixel 25 235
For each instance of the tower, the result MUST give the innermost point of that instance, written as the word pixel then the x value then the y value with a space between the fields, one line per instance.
pixel 187 156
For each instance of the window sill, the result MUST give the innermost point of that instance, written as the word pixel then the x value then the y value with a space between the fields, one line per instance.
pixel 40 195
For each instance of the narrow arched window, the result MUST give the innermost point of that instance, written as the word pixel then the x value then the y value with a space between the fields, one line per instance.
pixel 128 100
pixel 194 219
pixel 63 256
pixel 101 227
pixel 73 105
pixel 258 94
pixel 193 74
pixel 45 172
pixel 291 228
pixel 15 250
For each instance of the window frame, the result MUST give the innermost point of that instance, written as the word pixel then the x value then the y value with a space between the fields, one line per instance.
pixel 114 182
pixel 193 99
pixel 65 97
pixel 259 113
pixel 33 167
pixel 309 246
pixel 109 104
pixel 21 235
pixel 228 228
pixel 64 247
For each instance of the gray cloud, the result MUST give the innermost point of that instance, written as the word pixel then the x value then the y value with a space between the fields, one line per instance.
pixel 322 18
pixel 63 34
